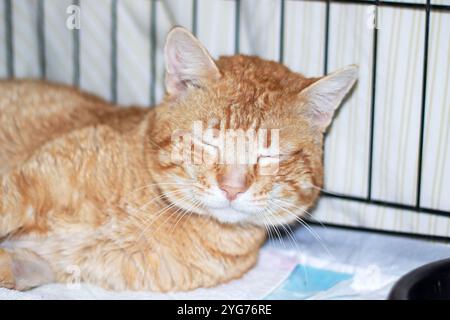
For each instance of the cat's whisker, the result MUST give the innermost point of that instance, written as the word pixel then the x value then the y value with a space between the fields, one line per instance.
pixel 170 205
pixel 300 208
pixel 156 184
pixel 299 252
pixel 302 222
pixel 171 215
pixel 310 185
pixel 164 194
pixel 145 229
pixel 194 206
pixel 142 208
pixel 159 214
pixel 271 233
pixel 289 232
pixel 266 226
pixel 275 229
pixel 177 177
pixel 140 224
pixel 297 218
pixel 183 213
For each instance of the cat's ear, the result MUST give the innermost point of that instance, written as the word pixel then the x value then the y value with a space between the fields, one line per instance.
pixel 324 96
pixel 188 63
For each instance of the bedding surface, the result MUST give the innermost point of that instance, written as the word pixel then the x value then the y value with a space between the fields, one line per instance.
pixel 347 264
pixel 344 264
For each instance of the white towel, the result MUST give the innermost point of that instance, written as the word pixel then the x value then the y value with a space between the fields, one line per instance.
pixel 256 284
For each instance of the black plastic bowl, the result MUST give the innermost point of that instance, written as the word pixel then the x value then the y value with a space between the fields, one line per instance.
pixel 429 282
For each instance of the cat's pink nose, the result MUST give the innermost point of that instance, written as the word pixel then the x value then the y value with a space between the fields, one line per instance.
pixel 232 192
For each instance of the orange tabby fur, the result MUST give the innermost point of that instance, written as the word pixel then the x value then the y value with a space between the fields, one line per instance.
pixel 82 181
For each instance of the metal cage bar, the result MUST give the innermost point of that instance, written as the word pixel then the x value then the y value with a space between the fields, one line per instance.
pixel 410 5
pixel 194 17
pixel 113 83
pixel 372 103
pixel 76 52
pixel 281 36
pixel 40 25
pixel 327 37
pixel 9 38
pixel 424 102
pixel 153 43
pixel 237 26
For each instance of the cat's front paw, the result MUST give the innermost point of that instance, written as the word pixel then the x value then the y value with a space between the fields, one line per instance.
pixel 6 272
pixel 23 269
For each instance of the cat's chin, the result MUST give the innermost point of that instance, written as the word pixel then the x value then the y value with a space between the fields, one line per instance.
pixel 230 215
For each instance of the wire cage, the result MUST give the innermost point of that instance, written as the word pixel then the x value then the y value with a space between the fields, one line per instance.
pixel 396 145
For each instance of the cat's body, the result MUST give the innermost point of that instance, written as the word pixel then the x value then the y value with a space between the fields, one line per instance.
pixel 61 142
pixel 87 192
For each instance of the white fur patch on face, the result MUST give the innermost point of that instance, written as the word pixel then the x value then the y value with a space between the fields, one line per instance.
pixel 228 215
pixel 242 209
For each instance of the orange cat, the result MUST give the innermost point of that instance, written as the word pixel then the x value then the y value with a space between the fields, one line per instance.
pixel 91 187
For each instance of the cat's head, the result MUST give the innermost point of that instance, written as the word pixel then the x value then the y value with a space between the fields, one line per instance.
pixel 210 105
